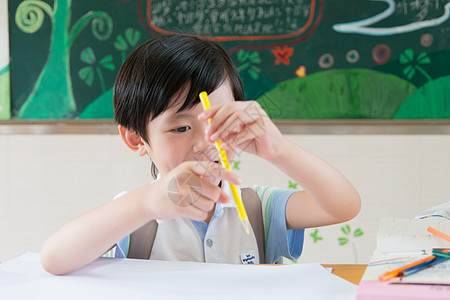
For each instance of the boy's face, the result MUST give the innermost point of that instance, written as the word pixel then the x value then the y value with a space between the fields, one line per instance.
pixel 179 137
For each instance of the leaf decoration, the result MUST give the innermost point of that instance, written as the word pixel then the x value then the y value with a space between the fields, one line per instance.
pixel 342 241
pixel 358 232
pixel 407 56
pixel 346 229
pixel 315 236
pixel 133 36
pixel 88 56
pixel 106 62
pixel 120 43
pixel 87 75
pixel 423 58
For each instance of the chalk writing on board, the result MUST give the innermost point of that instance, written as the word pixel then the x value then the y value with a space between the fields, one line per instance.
pixel 233 19
pixel 420 14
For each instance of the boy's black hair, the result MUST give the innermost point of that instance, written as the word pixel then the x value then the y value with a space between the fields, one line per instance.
pixel 161 69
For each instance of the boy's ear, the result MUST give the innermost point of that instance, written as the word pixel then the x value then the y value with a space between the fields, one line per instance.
pixel 133 140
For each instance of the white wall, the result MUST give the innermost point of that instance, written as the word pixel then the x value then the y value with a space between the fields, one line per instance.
pixel 47 179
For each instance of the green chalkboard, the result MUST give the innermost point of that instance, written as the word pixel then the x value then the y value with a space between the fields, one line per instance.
pixel 305 59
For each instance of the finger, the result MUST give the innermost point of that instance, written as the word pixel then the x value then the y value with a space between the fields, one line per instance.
pixel 211 192
pixel 213 172
pixel 204 203
pixel 205 115
pixel 222 113
pixel 237 121
pixel 242 139
pixel 249 133
pixel 234 124
pixel 193 213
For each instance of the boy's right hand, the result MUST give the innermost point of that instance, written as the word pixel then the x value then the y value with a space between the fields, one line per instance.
pixel 189 190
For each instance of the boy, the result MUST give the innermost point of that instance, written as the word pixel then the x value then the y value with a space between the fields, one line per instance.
pixel 159 114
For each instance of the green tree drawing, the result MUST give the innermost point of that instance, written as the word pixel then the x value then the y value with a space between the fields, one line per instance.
pixel 87 73
pixel 52 95
pixel 132 37
pixel 345 240
pixel 248 61
pixel 236 164
pixel 413 64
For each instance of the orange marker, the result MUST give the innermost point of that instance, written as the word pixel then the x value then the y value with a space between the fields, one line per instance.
pixel 438 233
pixel 395 273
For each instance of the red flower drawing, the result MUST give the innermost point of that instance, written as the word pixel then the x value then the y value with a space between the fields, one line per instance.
pixel 282 55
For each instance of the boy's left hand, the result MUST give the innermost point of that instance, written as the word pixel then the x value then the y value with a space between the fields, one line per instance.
pixel 245 125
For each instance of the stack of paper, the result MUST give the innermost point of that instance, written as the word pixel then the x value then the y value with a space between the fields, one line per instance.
pixel 107 278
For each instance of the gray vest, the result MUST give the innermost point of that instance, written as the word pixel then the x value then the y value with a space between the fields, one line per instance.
pixel 141 240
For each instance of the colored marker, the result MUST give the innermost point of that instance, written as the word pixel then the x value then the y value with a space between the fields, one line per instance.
pixel 438 233
pixel 422 266
pixel 445 253
pixel 395 273
pixel 226 164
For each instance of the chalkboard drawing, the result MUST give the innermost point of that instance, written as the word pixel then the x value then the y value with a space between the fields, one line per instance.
pixel 301 71
pixel 352 56
pixel 87 73
pixel 426 40
pixel 132 37
pixel 338 94
pixel 326 61
pixel 230 20
pixel 418 22
pixel 52 95
pixel 249 62
pixel 5 110
pixel 282 55
pixel 345 240
pixel 381 54
pixel 413 63
pixel 315 236
pixel 101 107
pixel 271 106
pixel 430 101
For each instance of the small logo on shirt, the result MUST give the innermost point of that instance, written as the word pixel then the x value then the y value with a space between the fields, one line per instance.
pixel 248 258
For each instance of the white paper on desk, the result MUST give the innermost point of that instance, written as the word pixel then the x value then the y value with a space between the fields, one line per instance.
pixel 108 278
pixel 410 235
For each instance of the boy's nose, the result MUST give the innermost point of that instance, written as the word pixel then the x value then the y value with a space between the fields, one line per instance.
pixel 202 149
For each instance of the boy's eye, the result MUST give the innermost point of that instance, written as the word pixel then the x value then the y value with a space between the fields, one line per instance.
pixel 182 129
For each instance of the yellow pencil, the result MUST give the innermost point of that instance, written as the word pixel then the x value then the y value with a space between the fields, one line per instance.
pixel 226 164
